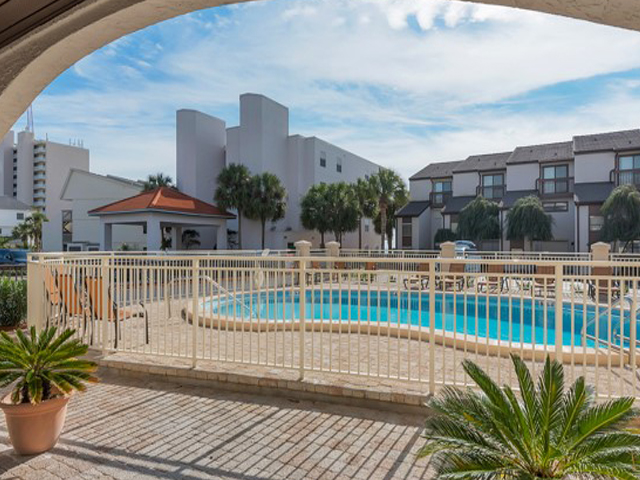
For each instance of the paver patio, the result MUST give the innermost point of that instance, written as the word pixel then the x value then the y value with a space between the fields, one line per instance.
pixel 126 428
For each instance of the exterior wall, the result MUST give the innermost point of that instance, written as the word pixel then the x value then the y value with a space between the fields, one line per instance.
pixel 419 190
pixel 594 167
pixel 522 177
pixel 86 191
pixel 60 160
pixel 563 226
pixel 424 228
pixel 582 218
pixel 9 219
pixel 200 146
pixel 465 184
pixel 25 159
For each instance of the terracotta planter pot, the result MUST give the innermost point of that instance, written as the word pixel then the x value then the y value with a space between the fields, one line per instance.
pixel 35 428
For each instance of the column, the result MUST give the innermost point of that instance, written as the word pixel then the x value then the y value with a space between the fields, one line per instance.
pixel 154 235
pixel 176 241
pixel 447 250
pixel 333 249
pixel 221 236
pixel 600 252
pixel 106 242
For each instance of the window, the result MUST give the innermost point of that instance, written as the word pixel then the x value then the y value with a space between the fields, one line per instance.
pixel 453 223
pixel 406 232
pixel 67 221
pixel 323 159
pixel 339 165
pixel 441 191
pixel 555 179
pixel 492 186
pixel 596 222
pixel 629 167
pixel 367 224
pixel 555 206
pixel 19 216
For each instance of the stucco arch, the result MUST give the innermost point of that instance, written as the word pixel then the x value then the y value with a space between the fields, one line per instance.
pixel 33 61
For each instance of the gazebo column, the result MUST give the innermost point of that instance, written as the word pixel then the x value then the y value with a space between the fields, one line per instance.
pixel 221 236
pixel 106 241
pixel 176 238
pixel 154 235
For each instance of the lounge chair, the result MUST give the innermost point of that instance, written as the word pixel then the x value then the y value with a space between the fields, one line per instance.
pixel 493 283
pixel 419 281
pixel 62 295
pixel 605 287
pixel 94 289
pixel 454 278
pixel 545 284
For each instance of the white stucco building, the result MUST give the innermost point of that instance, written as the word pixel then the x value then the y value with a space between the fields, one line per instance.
pixel 12 212
pixel 572 179
pixel 34 172
pixel 263 143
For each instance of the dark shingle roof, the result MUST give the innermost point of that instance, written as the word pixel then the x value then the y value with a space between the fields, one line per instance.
pixel 436 170
pixel 477 163
pixel 542 153
pixel 593 192
pixel 624 140
pixel 510 198
pixel 413 209
pixel 456 204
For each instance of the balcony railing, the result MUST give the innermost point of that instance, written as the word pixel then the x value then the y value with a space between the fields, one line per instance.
pixel 494 192
pixel 438 199
pixel 552 187
pixel 625 177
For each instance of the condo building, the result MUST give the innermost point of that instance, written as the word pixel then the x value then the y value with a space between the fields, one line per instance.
pixel 33 172
pixel 263 143
pixel 572 179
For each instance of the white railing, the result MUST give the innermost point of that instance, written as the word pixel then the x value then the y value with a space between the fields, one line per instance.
pixel 386 316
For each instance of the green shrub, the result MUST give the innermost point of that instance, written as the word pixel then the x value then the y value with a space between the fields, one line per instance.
pixel 444 235
pixel 13 302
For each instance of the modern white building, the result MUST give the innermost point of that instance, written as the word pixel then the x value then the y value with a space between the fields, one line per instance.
pixel 12 212
pixel 263 143
pixel 572 179
pixel 34 172
pixel 86 191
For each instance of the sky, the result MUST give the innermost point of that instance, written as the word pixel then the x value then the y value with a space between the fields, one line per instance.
pixel 403 83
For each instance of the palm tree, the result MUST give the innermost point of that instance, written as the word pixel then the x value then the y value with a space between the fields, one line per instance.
pixel 190 238
pixel 528 221
pixel 388 189
pixel 314 210
pixel 621 213
pixel 343 212
pixel 479 221
pixel 34 224
pixel 156 181
pixel 22 232
pixel 366 204
pixel 549 433
pixel 266 200
pixel 232 190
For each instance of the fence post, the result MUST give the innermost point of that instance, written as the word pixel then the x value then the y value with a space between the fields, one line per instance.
pixel 35 292
pixel 104 308
pixel 447 250
pixel 559 312
pixel 633 322
pixel 333 249
pixel 432 328
pixel 303 249
pixel 195 278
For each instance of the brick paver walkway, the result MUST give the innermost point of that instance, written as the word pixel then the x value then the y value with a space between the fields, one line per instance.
pixel 127 429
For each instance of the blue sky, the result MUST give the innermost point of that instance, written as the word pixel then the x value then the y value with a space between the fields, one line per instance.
pixel 402 82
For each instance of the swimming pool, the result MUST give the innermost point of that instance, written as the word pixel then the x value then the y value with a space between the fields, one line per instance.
pixel 519 320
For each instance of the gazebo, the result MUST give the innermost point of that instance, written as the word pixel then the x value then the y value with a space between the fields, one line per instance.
pixel 158 210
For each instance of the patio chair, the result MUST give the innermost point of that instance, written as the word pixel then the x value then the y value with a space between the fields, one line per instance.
pixel 545 284
pixel 493 283
pixel 61 292
pixel 604 287
pixel 94 288
pixel 454 278
pixel 420 280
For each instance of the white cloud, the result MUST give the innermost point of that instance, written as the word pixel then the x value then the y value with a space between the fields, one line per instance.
pixel 401 81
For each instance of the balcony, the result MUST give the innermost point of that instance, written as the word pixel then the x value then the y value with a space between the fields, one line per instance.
pixel 494 192
pixel 625 177
pixel 554 187
pixel 438 199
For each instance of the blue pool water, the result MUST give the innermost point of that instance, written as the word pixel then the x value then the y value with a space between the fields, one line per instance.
pixel 521 320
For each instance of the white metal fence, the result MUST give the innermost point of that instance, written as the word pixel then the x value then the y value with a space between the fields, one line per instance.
pixel 386 317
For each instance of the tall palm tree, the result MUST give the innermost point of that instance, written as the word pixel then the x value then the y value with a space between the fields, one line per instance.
pixel 22 232
pixel 34 224
pixel 343 209
pixel 367 204
pixel 528 221
pixel 232 191
pixel 389 189
pixel 549 433
pixel 155 181
pixel 621 213
pixel 314 210
pixel 266 200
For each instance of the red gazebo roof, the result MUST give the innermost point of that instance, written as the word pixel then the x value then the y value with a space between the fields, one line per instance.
pixel 163 199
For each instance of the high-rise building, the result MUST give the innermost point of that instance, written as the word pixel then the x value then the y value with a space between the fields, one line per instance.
pixel 34 172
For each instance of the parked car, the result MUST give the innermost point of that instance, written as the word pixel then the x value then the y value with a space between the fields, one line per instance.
pixel 13 256
pixel 465 246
